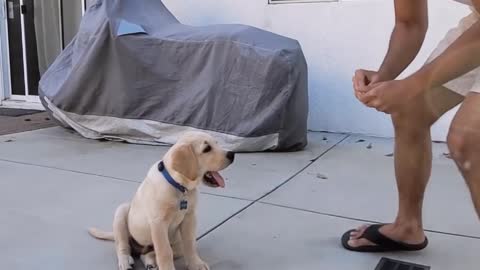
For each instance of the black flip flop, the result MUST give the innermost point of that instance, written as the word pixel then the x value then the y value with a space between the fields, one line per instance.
pixel 383 243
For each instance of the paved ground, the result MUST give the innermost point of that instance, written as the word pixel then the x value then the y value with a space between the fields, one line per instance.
pixel 283 211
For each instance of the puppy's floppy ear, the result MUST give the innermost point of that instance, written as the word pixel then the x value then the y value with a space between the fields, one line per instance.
pixel 184 161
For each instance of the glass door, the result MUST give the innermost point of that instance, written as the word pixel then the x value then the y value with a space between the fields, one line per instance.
pixel 38 30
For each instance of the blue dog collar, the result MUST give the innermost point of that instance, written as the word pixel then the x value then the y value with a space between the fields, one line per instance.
pixel 169 178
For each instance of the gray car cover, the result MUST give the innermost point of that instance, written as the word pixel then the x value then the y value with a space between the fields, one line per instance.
pixel 135 73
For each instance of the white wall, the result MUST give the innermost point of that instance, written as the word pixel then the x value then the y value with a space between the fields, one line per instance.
pixel 337 38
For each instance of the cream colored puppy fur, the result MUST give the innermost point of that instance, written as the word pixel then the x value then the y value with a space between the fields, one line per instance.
pixel 154 219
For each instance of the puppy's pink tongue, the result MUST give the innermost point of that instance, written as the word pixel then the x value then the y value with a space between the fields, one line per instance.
pixel 218 178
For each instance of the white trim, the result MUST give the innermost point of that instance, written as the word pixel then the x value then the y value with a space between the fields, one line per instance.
pixel 24 50
pixel 16 104
pixel 2 85
pixel 3 11
pixel 32 99
pixel 5 54
pixel 83 7
pixel 22 98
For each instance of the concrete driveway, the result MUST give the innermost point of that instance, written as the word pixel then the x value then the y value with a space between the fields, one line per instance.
pixel 282 211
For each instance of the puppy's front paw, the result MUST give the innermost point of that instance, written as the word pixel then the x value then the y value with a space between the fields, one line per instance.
pixel 151 267
pixel 198 264
pixel 149 261
pixel 125 262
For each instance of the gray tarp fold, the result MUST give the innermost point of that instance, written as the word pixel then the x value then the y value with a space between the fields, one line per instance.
pixel 134 73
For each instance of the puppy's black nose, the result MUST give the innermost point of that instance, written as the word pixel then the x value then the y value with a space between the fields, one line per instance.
pixel 231 156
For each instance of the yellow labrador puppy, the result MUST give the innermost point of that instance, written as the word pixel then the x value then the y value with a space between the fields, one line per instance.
pixel 159 224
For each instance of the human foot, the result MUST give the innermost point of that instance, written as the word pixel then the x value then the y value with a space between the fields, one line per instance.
pixel 388 237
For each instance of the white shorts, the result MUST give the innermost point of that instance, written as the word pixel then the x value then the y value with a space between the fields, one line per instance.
pixel 469 82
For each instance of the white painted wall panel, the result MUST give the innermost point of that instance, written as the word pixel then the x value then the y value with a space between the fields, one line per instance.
pixel 337 38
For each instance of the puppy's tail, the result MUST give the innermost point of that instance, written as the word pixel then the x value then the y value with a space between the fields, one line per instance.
pixel 101 234
pixel 120 227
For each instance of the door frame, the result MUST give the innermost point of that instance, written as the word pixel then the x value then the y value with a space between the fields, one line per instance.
pixel 6 96
pixel 6 87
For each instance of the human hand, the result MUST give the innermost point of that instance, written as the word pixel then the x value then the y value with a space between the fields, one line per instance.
pixel 363 79
pixel 390 96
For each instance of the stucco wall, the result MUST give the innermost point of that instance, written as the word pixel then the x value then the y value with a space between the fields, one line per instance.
pixel 337 38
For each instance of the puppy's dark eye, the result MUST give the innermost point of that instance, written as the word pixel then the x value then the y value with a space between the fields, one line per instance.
pixel 207 149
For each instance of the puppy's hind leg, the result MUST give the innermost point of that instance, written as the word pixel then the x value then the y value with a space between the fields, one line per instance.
pixel 122 236
pixel 149 261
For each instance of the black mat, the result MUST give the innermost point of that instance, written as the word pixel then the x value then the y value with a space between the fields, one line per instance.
pixel 16 112
pixel 11 125
pixel 390 264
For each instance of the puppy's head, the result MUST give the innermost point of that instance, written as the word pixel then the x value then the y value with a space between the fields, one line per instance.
pixel 198 157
